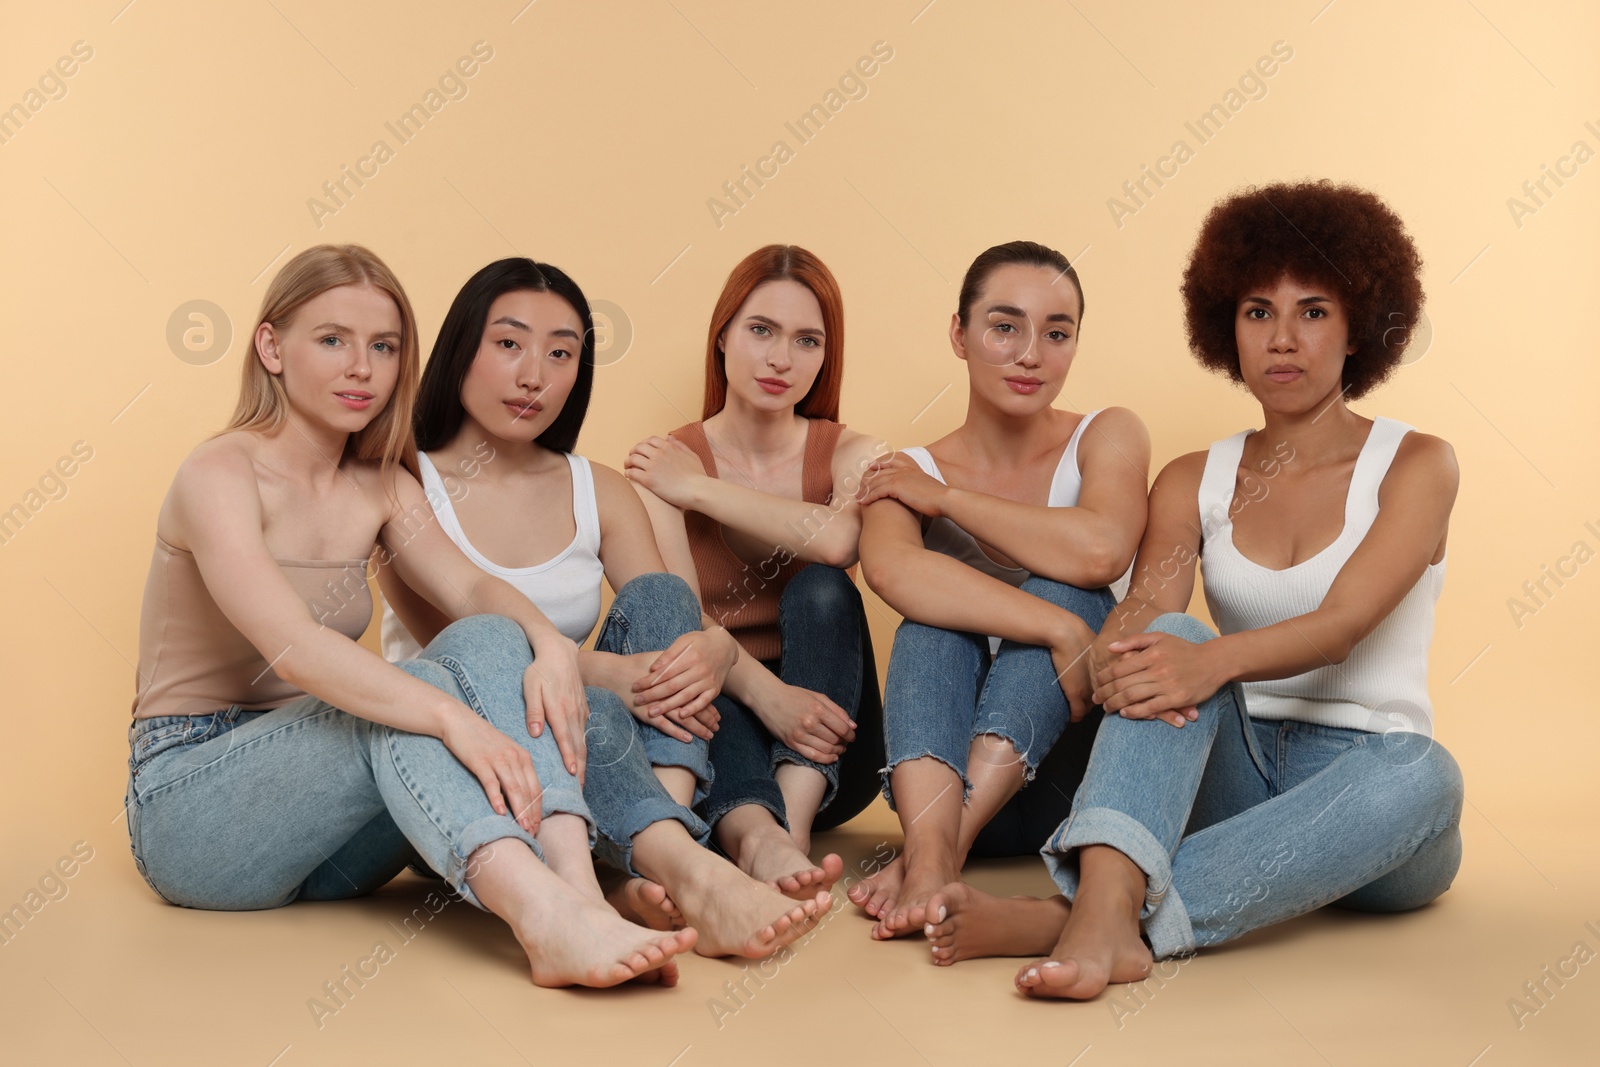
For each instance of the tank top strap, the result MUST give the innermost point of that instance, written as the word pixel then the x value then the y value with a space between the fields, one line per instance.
pixel 924 459
pixel 585 509
pixel 816 465
pixel 1377 455
pixel 1218 483
pixel 694 435
pixel 438 496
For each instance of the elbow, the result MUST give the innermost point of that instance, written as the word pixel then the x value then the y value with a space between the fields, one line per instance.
pixel 1103 563
pixel 879 574
pixel 842 555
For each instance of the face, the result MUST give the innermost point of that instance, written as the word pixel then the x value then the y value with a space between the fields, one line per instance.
pixel 1020 337
pixel 772 350
pixel 526 366
pixel 339 356
pixel 1293 339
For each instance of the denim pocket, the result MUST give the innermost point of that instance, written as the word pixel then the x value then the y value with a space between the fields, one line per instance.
pixel 167 732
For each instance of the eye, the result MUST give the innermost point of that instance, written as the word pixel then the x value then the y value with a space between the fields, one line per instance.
pixel 1255 313
pixel 382 346
pixel 1316 313
pixel 331 337
pixel 560 354
pixel 760 330
pixel 1005 327
pixel 811 342
pixel 508 343
pixel 1059 335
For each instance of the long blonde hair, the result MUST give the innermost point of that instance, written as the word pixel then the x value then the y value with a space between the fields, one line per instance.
pixel 262 401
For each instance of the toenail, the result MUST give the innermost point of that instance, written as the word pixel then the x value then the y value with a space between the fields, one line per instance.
pixel 1052 963
pixel 941 914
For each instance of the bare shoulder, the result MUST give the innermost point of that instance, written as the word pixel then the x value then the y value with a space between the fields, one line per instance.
pixel 219 475
pixel 1116 428
pixel 857 449
pixel 611 487
pixel 1182 475
pixel 1423 459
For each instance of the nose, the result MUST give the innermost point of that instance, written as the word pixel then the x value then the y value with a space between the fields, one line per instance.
pixel 528 372
pixel 1283 334
pixel 360 363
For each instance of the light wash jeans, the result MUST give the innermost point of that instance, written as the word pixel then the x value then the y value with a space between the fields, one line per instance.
pixel 1239 823
pixel 944 691
pixel 647 615
pixel 240 810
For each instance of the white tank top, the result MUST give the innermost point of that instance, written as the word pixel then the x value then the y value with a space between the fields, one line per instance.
pixel 566 588
pixel 945 537
pixel 1383 686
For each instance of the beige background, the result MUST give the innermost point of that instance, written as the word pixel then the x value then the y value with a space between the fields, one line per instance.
pixel 178 164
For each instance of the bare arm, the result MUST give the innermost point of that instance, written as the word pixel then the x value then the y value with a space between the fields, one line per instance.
pixel 215 510
pixel 1088 545
pixel 1153 671
pixel 815 533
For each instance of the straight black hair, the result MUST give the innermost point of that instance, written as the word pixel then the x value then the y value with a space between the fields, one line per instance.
pixel 439 413
pixel 1029 253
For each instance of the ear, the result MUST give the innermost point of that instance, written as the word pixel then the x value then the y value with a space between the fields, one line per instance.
pixel 958 336
pixel 267 347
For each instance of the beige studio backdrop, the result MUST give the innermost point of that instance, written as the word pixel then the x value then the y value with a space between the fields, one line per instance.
pixel 159 160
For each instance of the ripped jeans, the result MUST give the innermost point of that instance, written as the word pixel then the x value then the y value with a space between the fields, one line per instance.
pixel 944 692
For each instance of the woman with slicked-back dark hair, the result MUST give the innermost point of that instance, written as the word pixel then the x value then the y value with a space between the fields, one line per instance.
pixel 502 403
pixel 754 506
pixel 997 543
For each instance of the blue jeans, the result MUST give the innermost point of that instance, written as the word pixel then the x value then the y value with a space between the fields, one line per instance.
pixel 944 691
pixel 240 810
pixel 648 614
pixel 827 649
pixel 1238 823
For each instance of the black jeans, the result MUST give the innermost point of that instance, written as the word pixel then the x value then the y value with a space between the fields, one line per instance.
pixel 826 648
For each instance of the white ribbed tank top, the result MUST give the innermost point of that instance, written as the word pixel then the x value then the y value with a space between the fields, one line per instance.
pixel 566 588
pixel 945 537
pixel 1383 685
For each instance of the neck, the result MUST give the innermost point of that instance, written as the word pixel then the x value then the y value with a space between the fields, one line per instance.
pixel 510 457
pixel 1003 440
pixel 305 451
pixel 752 432
pixel 1320 434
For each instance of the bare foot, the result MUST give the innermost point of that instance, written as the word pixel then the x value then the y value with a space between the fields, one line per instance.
pixel 570 940
pixel 772 857
pixel 910 910
pixel 642 901
pixel 965 923
pixel 1099 944
pixel 877 893
pixel 736 915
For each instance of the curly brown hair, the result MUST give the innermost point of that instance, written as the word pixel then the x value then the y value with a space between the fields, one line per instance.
pixel 1318 233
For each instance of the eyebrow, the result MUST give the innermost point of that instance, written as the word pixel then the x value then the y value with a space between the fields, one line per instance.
pixel 518 324
pixel 775 323
pixel 334 327
pixel 1007 309
pixel 1304 300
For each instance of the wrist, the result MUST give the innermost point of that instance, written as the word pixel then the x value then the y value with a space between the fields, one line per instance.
pixel 1218 655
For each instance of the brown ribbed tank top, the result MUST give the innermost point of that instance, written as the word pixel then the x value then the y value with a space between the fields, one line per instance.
pixel 742 597
pixel 193 661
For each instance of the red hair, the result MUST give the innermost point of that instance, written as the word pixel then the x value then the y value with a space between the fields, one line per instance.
pixel 772 263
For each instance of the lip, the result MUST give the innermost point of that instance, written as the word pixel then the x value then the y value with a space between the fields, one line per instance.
pixel 773 385
pixel 1025 384
pixel 355 399
pixel 523 408
pixel 1283 373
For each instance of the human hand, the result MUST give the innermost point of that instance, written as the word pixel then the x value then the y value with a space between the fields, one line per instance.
pixel 667 467
pixel 503 767
pixel 1155 676
pixel 898 476
pixel 807 722
pixel 553 689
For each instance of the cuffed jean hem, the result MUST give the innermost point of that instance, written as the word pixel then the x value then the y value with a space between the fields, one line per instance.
pixel 888 794
pixel 616 844
pixel 1163 916
pixel 782 753
pixel 693 756
pixel 474 836
pixel 762 793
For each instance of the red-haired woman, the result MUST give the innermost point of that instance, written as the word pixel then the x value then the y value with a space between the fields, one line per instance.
pixel 754 507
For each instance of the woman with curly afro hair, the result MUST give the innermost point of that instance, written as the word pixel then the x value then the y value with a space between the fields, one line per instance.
pixel 1243 779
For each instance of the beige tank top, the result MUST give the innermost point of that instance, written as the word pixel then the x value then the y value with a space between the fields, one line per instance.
pixel 193 661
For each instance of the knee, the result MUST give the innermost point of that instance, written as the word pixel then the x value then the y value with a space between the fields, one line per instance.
pixel 1090 605
pixel 657 588
pixel 1178 624
pixel 480 634
pixel 821 592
